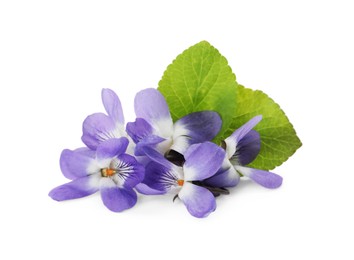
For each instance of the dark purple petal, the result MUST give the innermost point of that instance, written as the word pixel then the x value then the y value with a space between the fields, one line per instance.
pixel 202 161
pixel 160 178
pixel 150 141
pixel 266 179
pixel 151 105
pixel 76 164
pixel 98 128
pixel 111 148
pixel 195 128
pixel 236 136
pixel 146 190
pixel 112 105
pixel 158 158
pixel 199 201
pixel 116 199
pixel 139 129
pixel 225 177
pixel 247 148
pixel 130 172
pixel 78 188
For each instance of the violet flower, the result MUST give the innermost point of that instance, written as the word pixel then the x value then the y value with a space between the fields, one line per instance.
pixel 100 127
pixel 202 161
pixel 242 147
pixel 108 169
pixel 154 127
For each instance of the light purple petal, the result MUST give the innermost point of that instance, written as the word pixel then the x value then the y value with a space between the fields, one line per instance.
pixel 130 172
pixel 226 176
pixel 98 128
pixel 195 128
pixel 247 148
pixel 266 179
pixel 114 198
pixel 146 190
pixel 202 161
pixel 199 201
pixel 236 136
pixel 151 141
pixel 111 148
pixel 151 105
pixel 112 105
pixel 160 178
pixel 139 129
pixel 76 164
pixel 158 158
pixel 78 188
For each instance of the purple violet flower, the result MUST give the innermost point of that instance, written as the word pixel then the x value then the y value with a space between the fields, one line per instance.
pixel 100 127
pixel 108 169
pixel 202 161
pixel 154 127
pixel 242 147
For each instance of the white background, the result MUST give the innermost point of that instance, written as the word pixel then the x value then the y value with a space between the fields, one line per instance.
pixel 55 56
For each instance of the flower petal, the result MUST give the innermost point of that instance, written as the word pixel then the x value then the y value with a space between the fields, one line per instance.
pixel 77 163
pixel 266 179
pixel 78 188
pixel 98 128
pixel 195 128
pixel 112 105
pixel 236 136
pixel 161 178
pixel 130 172
pixel 157 157
pixel 114 198
pixel 247 148
pixel 199 201
pixel 151 105
pixel 139 129
pixel 146 190
pixel 149 141
pixel 226 176
pixel 202 161
pixel 111 148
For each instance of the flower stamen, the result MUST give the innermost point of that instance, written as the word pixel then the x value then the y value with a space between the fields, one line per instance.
pixel 107 172
pixel 180 182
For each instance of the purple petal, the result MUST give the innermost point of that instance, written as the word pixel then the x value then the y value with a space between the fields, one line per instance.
pixel 139 129
pixel 77 163
pixel 236 136
pixel 247 148
pixel 225 177
pixel 114 198
pixel 111 148
pixel 266 179
pixel 199 201
pixel 98 128
pixel 195 128
pixel 150 141
pixel 160 178
pixel 130 172
pixel 151 106
pixel 158 158
pixel 146 190
pixel 112 105
pixel 202 161
pixel 78 188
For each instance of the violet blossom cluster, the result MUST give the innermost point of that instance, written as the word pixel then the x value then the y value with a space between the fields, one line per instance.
pixel 155 155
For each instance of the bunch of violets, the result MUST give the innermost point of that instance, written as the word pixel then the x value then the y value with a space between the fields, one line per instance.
pixel 154 156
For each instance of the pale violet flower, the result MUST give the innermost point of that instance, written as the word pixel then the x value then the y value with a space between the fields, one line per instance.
pixel 108 169
pixel 201 162
pixel 154 126
pixel 242 147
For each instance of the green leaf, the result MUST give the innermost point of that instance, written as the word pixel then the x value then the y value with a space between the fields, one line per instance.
pixel 200 79
pixel 278 137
